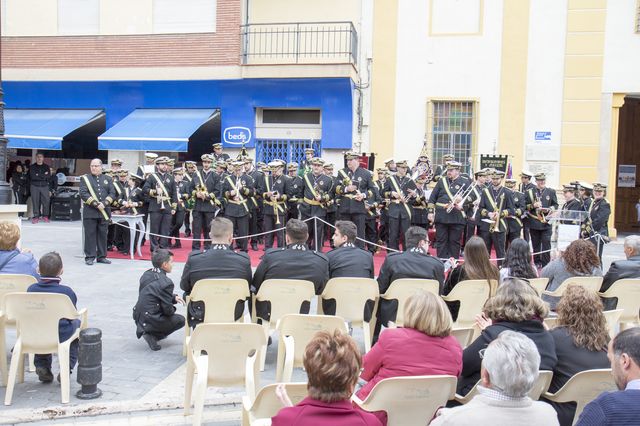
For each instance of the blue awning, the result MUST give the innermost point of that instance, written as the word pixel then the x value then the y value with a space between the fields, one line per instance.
pixel 44 128
pixel 155 130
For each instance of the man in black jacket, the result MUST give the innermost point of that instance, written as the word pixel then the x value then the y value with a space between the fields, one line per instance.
pixel 39 180
pixel 416 262
pixel 620 269
pixel 348 260
pixel 219 261
pixel 154 313
pixel 295 261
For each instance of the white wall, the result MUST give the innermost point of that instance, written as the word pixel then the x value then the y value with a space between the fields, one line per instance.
pixel 545 79
pixel 621 48
pixel 464 67
pixel 278 11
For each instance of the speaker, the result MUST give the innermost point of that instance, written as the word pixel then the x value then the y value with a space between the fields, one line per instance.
pixel 65 207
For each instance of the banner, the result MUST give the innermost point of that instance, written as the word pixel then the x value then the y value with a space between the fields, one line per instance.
pixel 498 162
pixel 627 176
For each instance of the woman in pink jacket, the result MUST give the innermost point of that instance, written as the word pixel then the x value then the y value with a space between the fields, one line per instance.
pixel 423 347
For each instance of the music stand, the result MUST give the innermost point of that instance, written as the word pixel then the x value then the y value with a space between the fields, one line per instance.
pixel 569 225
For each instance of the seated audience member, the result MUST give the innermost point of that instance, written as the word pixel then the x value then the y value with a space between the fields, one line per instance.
pixel 347 259
pixel 51 268
pixel 509 371
pixel 423 347
pixel 12 260
pixel 581 338
pixel 515 307
pixel 476 266
pixel 332 363
pixel 619 408
pixel 295 261
pixel 154 313
pixel 578 260
pixel 218 262
pixel 518 262
pixel 621 269
pixel 416 262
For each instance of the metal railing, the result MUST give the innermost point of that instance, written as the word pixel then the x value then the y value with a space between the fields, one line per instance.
pixel 300 42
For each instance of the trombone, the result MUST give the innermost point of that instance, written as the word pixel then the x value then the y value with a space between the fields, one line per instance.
pixel 453 203
pixel 495 223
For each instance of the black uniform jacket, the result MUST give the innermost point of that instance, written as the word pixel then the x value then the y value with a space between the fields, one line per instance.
pixel 443 193
pixel 322 185
pixel 349 260
pixel 165 182
pixel 245 186
pixel 413 263
pixel 493 200
pixel 549 200
pixel 102 188
pixel 211 181
pixel 363 180
pixel 282 186
pixel 216 263
pixel 599 214
pixel 155 303
pixel 398 209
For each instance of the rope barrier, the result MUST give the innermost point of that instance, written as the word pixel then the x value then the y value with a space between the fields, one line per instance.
pixel 315 219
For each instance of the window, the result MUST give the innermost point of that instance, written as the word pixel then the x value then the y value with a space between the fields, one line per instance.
pixel 184 16
pixel 78 17
pixel 452 130
pixel 291 116
pixel 288 150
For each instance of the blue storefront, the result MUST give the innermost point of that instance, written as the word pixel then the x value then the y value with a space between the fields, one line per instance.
pixel 234 101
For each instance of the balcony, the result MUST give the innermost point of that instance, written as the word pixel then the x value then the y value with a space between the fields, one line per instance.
pixel 299 43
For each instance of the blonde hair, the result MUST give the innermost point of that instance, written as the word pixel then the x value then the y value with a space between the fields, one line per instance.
pixel 9 235
pixel 515 301
pixel 427 313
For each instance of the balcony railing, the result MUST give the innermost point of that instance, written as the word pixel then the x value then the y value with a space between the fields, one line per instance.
pixel 301 42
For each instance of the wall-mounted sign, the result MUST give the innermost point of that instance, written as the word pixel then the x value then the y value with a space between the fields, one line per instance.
pixel 627 175
pixel 236 135
pixel 498 162
pixel 543 136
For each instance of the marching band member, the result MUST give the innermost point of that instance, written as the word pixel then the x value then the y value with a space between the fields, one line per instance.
pixel 382 207
pixel 524 186
pixel 205 190
pixel 183 194
pixel 598 221
pixel 419 213
pixel 441 170
pixel 472 202
pixel 400 190
pixel 275 190
pixel 445 210
pixel 540 201
pixel 354 187
pixel 218 154
pixel 255 206
pixel 237 189
pixel 332 208
pixel 160 189
pixel 306 165
pixel 514 222
pixel 495 205
pixel 190 168
pixel 297 186
pixel 317 193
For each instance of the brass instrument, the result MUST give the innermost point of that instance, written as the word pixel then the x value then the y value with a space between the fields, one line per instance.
pixel 453 201
pixel 275 206
pixel 320 192
pixel 495 223
pixel 540 214
pixel 159 197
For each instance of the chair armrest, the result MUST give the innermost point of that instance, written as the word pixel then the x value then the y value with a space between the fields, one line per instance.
pixel 448 298
pixel 606 295
pixel 357 401
pixel 550 293
pixel 249 377
pixel 84 319
pixel 247 404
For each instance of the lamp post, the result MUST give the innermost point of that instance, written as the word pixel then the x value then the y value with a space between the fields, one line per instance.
pixel 5 189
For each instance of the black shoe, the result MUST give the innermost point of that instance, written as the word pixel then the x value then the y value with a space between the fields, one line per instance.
pixel 254 246
pixel 187 233
pixel 104 260
pixel 177 245
pixel 89 261
pixel 44 374
pixel 151 341
pixel 70 373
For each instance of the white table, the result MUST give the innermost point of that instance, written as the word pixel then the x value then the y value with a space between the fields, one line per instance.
pixel 133 220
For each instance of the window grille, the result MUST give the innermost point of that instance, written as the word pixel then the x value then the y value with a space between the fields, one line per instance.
pixel 452 131
pixel 288 150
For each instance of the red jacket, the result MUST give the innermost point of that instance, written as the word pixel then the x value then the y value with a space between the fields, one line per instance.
pixel 311 412
pixel 409 352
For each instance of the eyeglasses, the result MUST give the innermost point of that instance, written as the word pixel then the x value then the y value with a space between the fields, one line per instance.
pixel 481 353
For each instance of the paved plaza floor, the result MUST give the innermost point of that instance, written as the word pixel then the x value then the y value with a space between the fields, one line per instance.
pixel 139 386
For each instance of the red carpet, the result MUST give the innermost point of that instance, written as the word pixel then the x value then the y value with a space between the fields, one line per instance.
pixel 181 254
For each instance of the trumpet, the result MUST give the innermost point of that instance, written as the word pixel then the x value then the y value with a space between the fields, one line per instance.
pixel 453 201
pixel 540 211
pixel 275 206
pixel 495 223
pixel 159 196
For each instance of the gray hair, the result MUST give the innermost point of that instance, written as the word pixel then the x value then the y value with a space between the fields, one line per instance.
pixel 512 361
pixel 633 241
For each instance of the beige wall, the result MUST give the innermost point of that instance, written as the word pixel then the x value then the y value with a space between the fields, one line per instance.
pixel 32 17
pixel 133 17
pixel 271 11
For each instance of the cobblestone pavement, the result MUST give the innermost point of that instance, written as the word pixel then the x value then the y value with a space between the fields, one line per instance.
pixel 135 379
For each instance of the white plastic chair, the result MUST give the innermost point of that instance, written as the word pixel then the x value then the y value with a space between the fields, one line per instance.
pixel 286 297
pixel 37 316
pixel 14 283
pixel 590 283
pixel 539 284
pixel 267 404
pixel 583 387
pixel 402 289
pixel 222 355
pixel 409 400
pixel 220 297
pixel 628 293
pixel 3 353
pixel 464 335
pixel 540 386
pixel 351 296
pixel 295 332
pixel 613 317
pixel 472 294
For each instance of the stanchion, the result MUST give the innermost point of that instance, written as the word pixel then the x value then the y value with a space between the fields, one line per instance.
pixel 90 363
pixel 315 232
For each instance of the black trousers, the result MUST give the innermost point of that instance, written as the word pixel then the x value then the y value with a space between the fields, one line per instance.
pixel 176 223
pixel 383 229
pixel 371 233
pixel 187 222
pixel 269 223
pixel 541 241
pixel 514 232
pixel 495 240
pixel 111 236
pixel 201 229
pixel 175 322
pixel 241 227
pixel 526 234
pixel 253 225
pixel 315 229
pixel 40 196
pixel 161 225
pixel 328 230
pixel 397 229
pixel 448 238
pixel 469 231
pixel 95 237
pixel 360 220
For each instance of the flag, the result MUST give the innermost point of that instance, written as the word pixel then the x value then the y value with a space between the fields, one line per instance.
pixel 509 171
